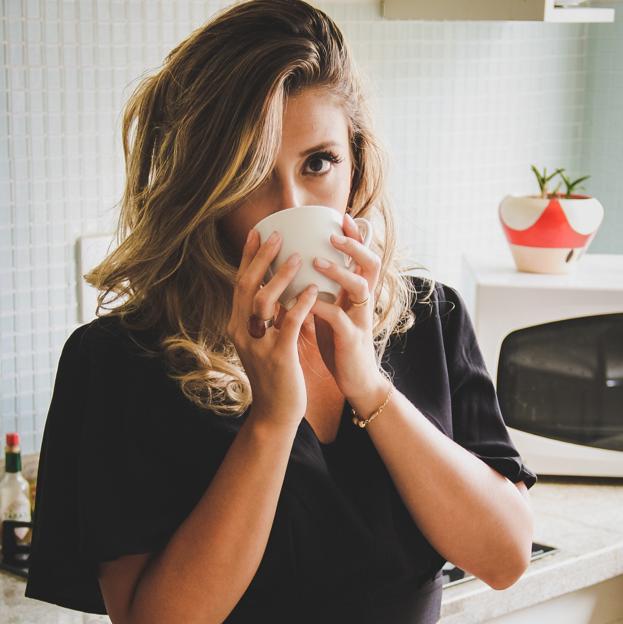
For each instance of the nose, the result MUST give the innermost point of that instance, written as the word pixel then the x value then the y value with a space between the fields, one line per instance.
pixel 289 197
pixel 289 194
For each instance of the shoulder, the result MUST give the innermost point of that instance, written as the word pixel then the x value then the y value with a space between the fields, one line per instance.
pixel 435 300
pixel 109 336
pixel 450 326
pixel 104 351
pixel 441 325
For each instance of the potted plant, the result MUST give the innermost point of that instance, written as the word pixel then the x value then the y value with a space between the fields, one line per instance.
pixel 548 233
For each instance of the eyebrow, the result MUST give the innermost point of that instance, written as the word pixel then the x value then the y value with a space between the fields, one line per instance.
pixel 318 147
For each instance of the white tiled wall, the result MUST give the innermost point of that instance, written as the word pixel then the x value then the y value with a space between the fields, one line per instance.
pixel 464 108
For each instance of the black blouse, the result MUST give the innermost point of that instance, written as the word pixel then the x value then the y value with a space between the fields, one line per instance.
pixel 126 457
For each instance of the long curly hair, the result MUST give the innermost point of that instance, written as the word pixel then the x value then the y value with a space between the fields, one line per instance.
pixel 199 135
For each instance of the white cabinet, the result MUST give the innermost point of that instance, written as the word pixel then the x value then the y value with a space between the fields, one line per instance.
pixel 501 10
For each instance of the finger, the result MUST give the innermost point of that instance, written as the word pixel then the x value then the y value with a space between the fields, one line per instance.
pixel 267 252
pixel 335 316
pixel 280 312
pixel 350 228
pixel 359 253
pixel 250 280
pixel 355 285
pixel 293 319
pixel 265 300
pixel 249 250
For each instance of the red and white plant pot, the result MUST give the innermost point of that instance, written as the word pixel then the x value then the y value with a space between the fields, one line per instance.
pixel 549 234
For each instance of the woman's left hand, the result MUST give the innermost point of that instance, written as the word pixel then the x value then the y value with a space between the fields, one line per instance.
pixel 344 331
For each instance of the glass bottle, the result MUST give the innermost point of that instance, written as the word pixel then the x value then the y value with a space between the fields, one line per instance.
pixel 14 487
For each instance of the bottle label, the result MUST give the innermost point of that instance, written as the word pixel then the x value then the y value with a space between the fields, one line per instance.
pixel 18 510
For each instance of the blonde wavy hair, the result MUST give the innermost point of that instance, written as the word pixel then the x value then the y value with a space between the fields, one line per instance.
pixel 199 136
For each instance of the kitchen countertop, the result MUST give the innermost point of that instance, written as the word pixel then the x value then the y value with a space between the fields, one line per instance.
pixel 582 517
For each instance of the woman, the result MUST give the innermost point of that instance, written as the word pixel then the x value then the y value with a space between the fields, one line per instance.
pixel 210 457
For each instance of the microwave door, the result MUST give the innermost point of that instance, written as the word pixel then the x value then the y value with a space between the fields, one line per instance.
pixel 563 380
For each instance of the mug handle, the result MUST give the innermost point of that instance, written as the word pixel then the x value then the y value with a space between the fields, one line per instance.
pixel 361 222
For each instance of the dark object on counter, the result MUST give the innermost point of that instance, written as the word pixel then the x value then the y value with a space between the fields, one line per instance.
pixel 453 575
pixel 16 550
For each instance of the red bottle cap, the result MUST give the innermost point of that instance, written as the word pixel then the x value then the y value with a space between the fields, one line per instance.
pixel 12 439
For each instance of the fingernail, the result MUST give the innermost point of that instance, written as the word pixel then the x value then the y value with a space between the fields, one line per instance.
pixel 294 259
pixel 250 235
pixel 313 289
pixel 322 263
pixel 338 239
pixel 273 237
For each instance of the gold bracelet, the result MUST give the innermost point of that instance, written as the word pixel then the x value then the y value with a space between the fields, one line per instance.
pixel 363 422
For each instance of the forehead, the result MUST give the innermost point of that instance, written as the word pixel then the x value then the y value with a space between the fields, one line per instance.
pixel 314 115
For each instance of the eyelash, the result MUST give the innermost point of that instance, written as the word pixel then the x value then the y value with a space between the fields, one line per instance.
pixel 330 156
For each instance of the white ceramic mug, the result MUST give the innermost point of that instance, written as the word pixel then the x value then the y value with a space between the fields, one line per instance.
pixel 307 230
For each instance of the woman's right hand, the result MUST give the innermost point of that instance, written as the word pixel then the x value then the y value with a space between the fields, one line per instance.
pixel 271 362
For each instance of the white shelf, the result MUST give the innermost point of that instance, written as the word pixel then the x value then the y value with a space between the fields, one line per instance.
pixel 500 10
pixel 601 272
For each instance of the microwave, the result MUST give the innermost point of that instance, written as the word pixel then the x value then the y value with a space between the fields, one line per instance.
pixel 553 346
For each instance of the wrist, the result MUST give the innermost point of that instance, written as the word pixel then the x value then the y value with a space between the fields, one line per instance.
pixel 268 425
pixel 372 398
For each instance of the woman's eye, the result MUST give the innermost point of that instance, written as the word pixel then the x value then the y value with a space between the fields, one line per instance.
pixel 316 162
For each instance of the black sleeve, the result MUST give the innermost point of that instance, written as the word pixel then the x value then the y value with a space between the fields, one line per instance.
pixel 55 573
pixel 124 460
pixel 126 480
pixel 477 421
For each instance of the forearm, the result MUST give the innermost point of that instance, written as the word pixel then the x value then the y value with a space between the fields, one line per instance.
pixel 470 513
pixel 211 559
